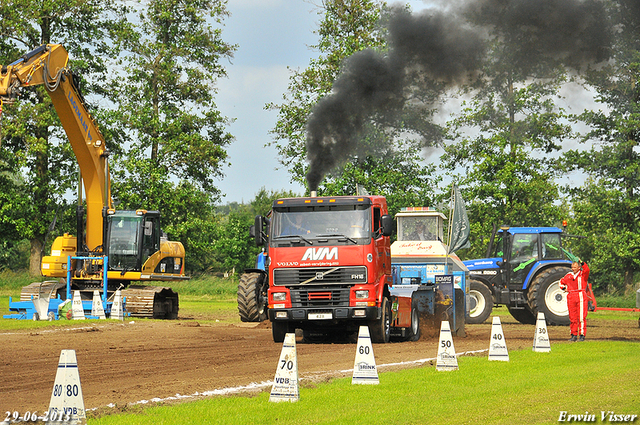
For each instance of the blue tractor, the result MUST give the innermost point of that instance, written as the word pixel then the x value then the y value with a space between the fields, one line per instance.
pixel 522 270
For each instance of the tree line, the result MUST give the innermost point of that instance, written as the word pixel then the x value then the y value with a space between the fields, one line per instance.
pixel 404 104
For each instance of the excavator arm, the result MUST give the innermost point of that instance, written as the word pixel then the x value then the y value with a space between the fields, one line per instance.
pixel 47 66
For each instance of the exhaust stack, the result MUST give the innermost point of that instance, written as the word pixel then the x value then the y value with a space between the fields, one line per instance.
pixel 314 194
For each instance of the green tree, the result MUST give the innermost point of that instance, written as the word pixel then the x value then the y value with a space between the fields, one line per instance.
pixel 348 26
pixel 607 206
pixel 506 140
pixel 172 136
pixel 234 247
pixel 383 151
pixel 30 129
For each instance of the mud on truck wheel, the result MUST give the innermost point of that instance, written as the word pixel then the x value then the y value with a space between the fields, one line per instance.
pixel 546 296
pixel 252 303
pixel 481 302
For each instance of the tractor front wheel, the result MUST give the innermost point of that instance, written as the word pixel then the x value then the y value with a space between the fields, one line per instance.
pixel 481 302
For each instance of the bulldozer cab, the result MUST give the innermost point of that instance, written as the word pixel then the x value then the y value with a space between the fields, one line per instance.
pixel 132 237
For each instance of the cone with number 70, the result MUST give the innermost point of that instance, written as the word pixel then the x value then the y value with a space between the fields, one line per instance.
pixel 285 385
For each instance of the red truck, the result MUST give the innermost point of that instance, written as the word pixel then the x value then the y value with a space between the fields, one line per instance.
pixel 326 268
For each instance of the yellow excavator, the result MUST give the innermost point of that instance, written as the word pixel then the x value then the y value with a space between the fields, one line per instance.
pixel 132 241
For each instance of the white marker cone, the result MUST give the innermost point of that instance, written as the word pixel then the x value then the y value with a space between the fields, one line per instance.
pixel 497 345
pixel 77 311
pixel 541 338
pixel 285 385
pixel 447 359
pixel 117 310
pixel 364 366
pixel 42 308
pixel 67 405
pixel 96 306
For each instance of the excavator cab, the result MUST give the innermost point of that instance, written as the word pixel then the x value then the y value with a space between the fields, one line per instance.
pixel 132 237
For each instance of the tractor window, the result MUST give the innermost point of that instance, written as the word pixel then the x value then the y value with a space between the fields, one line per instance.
pixel 551 246
pixel 524 254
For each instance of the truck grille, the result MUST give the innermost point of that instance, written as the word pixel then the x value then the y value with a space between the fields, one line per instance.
pixel 324 296
pixel 320 276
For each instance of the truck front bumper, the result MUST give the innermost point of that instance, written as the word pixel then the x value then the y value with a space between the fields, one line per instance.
pixel 298 314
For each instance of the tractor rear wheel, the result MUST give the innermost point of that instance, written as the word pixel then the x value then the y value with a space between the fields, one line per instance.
pixel 252 302
pixel 545 296
pixel 481 302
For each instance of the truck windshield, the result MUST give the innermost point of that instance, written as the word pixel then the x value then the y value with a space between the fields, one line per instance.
pixel 347 224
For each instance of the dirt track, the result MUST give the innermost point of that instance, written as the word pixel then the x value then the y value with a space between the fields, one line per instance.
pixel 126 362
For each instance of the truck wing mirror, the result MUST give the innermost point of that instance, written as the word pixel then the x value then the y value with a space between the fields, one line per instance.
pixel 387 225
pixel 257 231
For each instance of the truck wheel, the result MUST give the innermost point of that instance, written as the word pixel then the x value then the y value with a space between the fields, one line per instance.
pixel 279 330
pixel 414 331
pixel 252 303
pixel 380 329
pixel 523 315
pixel 481 302
pixel 545 296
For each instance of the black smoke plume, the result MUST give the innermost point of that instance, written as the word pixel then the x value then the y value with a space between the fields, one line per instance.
pixel 446 46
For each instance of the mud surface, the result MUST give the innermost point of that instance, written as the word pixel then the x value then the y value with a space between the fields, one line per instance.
pixel 126 362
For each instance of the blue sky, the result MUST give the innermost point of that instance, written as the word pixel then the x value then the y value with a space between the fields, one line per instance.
pixel 271 35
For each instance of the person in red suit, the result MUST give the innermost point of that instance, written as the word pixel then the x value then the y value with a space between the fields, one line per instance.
pixel 576 283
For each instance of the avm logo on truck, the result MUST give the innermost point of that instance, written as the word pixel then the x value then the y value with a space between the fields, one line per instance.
pixel 323 253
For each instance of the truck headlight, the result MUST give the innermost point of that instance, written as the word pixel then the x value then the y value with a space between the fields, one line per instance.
pixel 279 296
pixel 362 294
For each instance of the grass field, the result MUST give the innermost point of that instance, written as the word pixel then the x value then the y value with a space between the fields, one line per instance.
pixel 532 388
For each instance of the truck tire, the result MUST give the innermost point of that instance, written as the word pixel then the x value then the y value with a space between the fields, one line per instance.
pixel 279 330
pixel 252 303
pixel 481 302
pixel 545 296
pixel 523 315
pixel 380 329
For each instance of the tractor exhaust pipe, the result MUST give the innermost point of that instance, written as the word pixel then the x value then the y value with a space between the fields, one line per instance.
pixel 314 194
